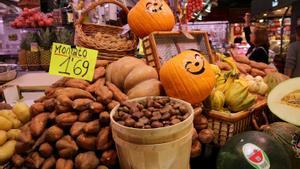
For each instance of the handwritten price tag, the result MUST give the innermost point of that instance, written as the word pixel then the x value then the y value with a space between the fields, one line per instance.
pixel 73 62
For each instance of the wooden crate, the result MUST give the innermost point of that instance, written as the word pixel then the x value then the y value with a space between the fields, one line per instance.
pixel 161 46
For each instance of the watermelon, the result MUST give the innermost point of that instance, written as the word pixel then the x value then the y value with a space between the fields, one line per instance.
pixel 253 150
pixel 273 79
pixel 287 135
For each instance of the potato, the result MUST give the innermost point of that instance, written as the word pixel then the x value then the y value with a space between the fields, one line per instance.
pixel 150 87
pixel 5 124
pixel 138 74
pixel 3 137
pixel 22 112
pixel 12 134
pixel 8 114
pixel 7 150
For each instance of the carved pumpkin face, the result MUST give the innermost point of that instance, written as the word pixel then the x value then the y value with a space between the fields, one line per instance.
pixel 150 15
pixel 188 76
pixel 154 6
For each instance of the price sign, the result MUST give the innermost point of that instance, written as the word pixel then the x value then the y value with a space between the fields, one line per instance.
pixel 73 62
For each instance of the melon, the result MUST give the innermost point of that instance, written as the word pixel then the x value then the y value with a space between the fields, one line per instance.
pixel 273 79
pixel 253 149
pixel 288 136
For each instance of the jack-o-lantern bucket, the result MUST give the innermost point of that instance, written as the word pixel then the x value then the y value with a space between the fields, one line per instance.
pixel 150 15
pixel 188 76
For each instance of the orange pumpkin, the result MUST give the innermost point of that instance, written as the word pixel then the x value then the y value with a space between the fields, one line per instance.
pixel 150 15
pixel 188 76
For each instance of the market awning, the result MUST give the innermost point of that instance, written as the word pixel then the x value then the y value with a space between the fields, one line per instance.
pixel 260 6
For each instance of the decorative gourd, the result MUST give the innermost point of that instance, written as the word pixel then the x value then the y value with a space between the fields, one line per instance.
pixel 133 76
pixel 150 15
pixel 273 79
pixel 256 85
pixel 216 100
pixel 188 76
pixel 287 135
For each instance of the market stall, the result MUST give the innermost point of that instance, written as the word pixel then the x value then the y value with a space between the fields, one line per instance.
pixel 182 106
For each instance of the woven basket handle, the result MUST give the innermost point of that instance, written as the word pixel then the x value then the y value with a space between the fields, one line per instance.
pixel 93 5
pixel 254 121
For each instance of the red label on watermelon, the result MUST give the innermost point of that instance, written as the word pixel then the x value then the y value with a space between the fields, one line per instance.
pixel 256 156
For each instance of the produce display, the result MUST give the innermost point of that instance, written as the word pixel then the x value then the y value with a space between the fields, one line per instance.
pixel 231 92
pixel 11 119
pixel 150 15
pixel 253 149
pixel 152 113
pixel 288 136
pixel 188 76
pixel 70 126
pixel 134 77
pixel 256 85
pixel 32 18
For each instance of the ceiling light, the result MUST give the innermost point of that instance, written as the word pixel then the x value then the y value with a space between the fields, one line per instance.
pixel 265 14
pixel 261 21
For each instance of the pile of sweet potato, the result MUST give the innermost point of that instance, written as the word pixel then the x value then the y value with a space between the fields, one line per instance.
pixel 70 126
pixel 253 68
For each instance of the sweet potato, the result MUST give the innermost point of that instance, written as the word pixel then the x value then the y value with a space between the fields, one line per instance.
pixel 64 164
pixel 99 72
pixel 92 127
pixel 49 163
pixel 87 160
pixel 64 100
pixel 38 124
pixel 104 139
pixel 85 116
pixel 258 65
pixel 112 104
pixel 25 140
pixel 77 129
pixel 87 142
pixel 62 109
pixel 61 82
pixel 54 133
pixel 36 109
pixel 102 63
pixel 73 93
pixel 46 150
pixel 223 66
pixel 118 95
pixel 77 83
pixel 92 88
pixel 104 118
pixel 104 94
pixel 270 70
pixel 66 147
pixel 52 116
pixel 242 59
pixel 243 68
pixel 109 158
pixel 96 107
pixel 49 104
pixel 256 72
pixel 66 119
pixel 5 106
pixel 81 104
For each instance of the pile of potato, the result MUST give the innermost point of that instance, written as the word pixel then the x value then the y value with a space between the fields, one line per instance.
pixel 70 126
pixel 202 134
pixel 11 119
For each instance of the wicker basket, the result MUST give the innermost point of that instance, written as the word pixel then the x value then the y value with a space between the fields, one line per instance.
pixel 225 125
pixel 105 38
pixel 45 59
pixel 33 60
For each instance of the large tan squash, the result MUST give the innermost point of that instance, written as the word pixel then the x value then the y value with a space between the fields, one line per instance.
pixel 130 73
pixel 151 87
